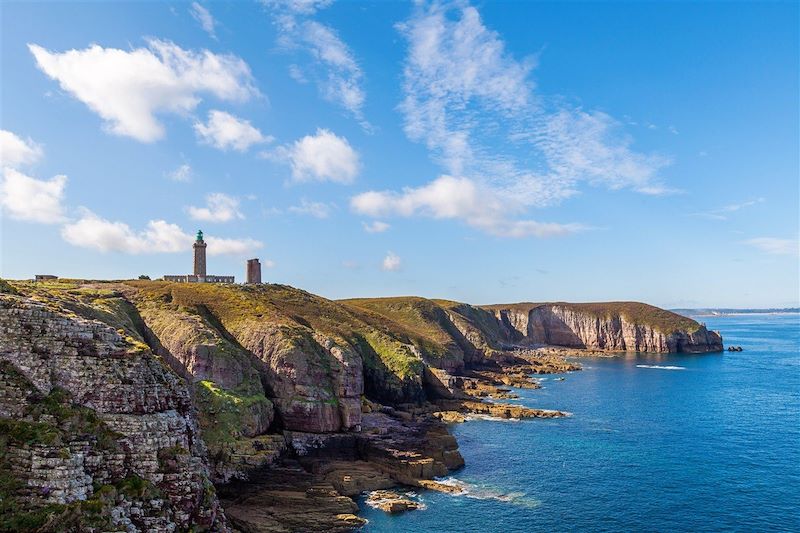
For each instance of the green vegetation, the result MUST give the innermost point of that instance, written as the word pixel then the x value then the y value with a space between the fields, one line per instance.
pixel 6 288
pixel 225 416
pixel 398 358
pixel 60 422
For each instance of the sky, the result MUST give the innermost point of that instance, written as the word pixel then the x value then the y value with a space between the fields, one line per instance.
pixel 482 152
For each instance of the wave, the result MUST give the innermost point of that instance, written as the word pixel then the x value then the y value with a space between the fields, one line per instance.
pixel 484 492
pixel 478 416
pixel 662 367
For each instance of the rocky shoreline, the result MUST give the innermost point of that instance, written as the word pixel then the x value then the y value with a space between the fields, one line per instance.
pixel 143 406
pixel 398 449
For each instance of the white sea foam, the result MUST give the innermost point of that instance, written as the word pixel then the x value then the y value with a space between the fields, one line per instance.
pixel 475 416
pixel 477 492
pixel 662 367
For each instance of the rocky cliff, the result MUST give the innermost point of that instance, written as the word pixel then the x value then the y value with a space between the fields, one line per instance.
pixel 97 433
pixel 612 326
pixel 123 404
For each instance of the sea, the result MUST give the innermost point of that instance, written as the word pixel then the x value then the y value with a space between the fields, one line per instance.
pixel 661 443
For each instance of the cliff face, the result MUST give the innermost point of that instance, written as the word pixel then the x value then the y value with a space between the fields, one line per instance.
pixel 121 403
pixel 96 431
pixel 612 330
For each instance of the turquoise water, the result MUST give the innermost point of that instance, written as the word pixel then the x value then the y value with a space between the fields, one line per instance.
pixel 711 444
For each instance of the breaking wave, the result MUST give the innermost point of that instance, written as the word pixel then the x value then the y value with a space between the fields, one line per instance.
pixel 662 367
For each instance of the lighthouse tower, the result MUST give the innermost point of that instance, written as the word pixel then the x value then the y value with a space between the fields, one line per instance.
pixel 200 257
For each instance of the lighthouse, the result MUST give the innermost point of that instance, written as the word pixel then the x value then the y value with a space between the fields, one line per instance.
pixel 200 257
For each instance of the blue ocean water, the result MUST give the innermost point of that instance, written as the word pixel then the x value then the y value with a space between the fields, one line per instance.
pixel 655 443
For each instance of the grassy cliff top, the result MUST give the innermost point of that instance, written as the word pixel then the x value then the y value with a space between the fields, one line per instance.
pixel 636 312
pixel 419 315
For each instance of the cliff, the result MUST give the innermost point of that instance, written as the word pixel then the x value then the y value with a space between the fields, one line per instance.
pixel 610 326
pixel 123 404
pixel 97 433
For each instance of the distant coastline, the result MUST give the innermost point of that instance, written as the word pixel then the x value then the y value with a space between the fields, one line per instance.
pixel 722 311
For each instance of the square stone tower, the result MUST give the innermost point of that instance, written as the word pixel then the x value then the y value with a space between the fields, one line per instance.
pixel 200 256
pixel 253 271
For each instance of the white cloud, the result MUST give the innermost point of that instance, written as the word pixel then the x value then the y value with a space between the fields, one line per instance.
pixel 32 200
pixel 204 18
pixel 391 263
pixel 775 246
pixel 314 209
pixel 267 263
pixel 304 7
pixel 128 88
pixel 225 131
pixel 183 174
pixel 333 68
pixel 472 103
pixel 323 157
pixel 219 208
pixel 96 233
pixel 375 227
pixel 454 69
pixel 221 246
pixel 722 213
pixel 16 152
pixel 585 146
pixel 448 197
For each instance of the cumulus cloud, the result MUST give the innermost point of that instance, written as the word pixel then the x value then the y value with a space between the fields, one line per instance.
pixel 391 263
pixel 314 209
pixel 323 157
pixel 128 88
pixel 219 208
pixel 16 152
pixel 505 149
pixel 375 226
pixel 333 66
pixel 182 174
pixel 775 246
pixel 227 132
pixel 204 18
pixel 25 198
pixel 449 197
pixel 159 236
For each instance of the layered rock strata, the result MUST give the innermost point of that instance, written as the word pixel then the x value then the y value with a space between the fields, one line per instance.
pixel 96 429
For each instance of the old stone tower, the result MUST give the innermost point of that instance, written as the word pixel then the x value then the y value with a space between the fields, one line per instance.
pixel 253 271
pixel 200 256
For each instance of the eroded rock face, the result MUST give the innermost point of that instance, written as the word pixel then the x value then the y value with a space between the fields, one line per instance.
pixel 562 326
pixel 99 410
pixel 313 385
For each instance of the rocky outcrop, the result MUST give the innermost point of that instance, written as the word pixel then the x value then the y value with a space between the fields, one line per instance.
pixel 120 403
pixel 572 326
pixel 97 426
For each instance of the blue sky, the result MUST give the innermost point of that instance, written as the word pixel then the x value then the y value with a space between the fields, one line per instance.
pixel 489 152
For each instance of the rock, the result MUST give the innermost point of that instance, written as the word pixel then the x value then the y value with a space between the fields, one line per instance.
pixel 606 327
pixel 441 487
pixel 390 502
pixel 108 414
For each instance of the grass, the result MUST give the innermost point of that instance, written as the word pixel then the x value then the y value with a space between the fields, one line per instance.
pixel 223 413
